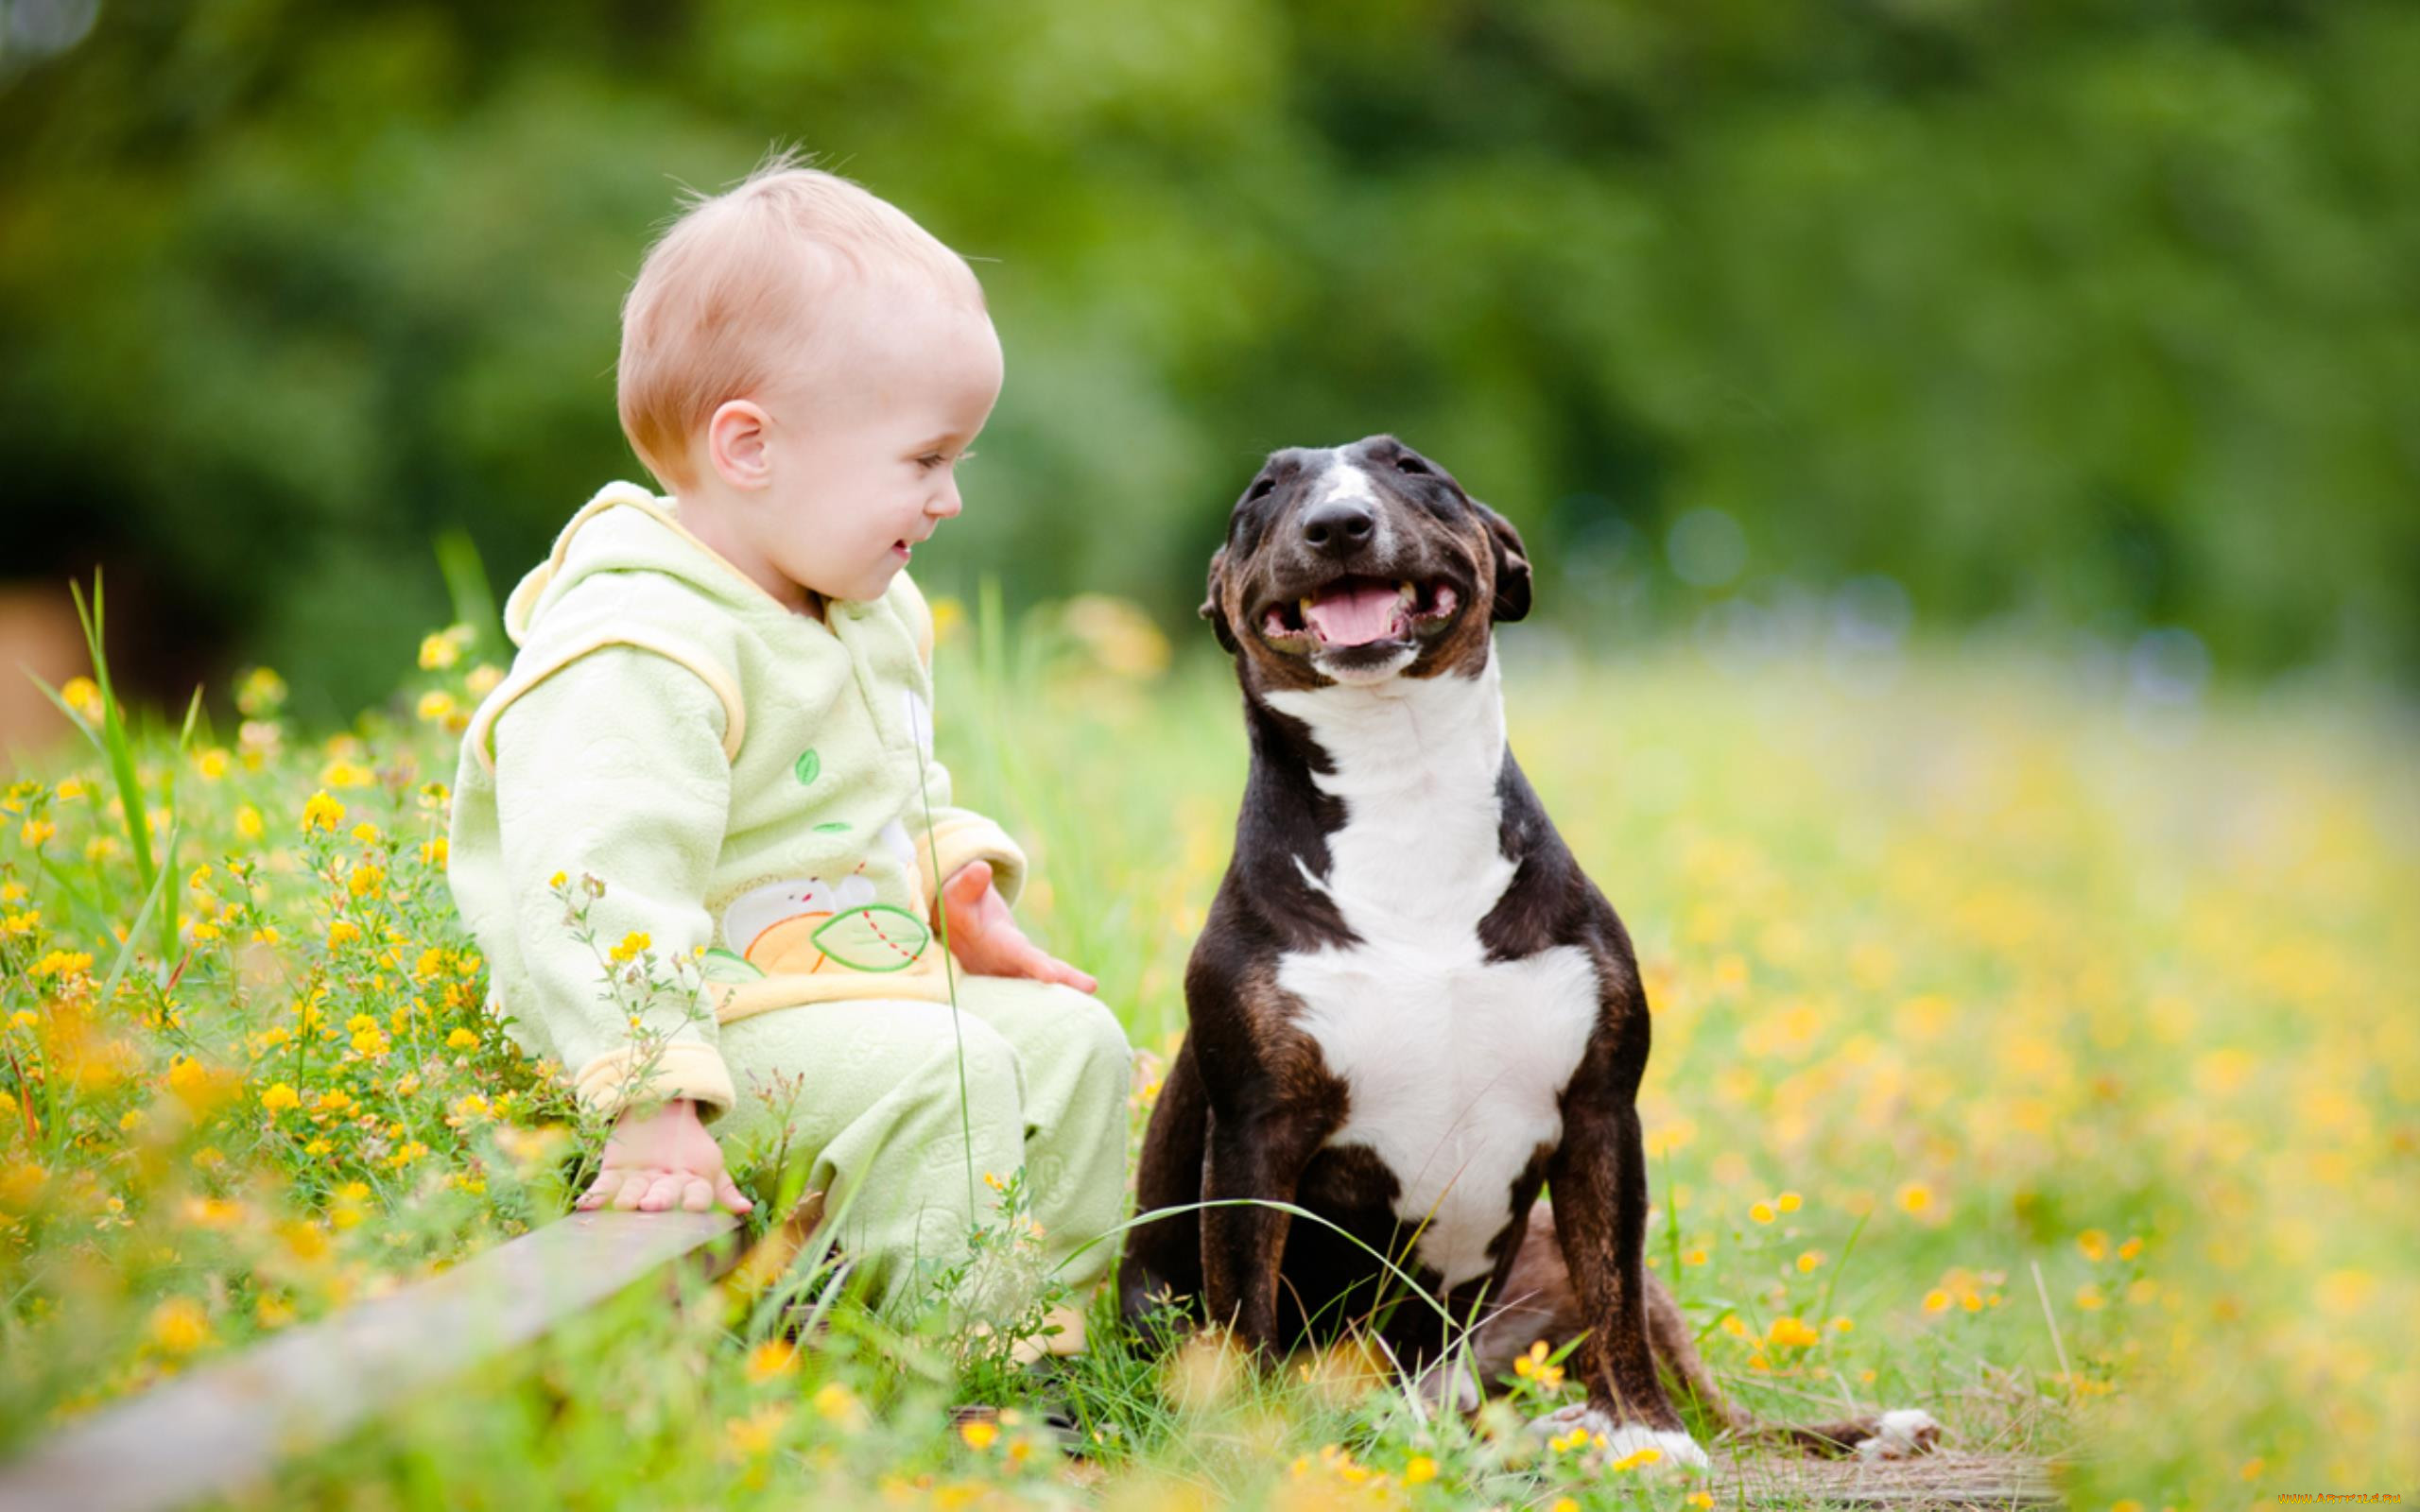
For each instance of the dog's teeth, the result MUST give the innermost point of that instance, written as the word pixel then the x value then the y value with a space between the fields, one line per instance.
pixel 1406 591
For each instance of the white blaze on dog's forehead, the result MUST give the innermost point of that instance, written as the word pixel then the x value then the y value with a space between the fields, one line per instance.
pixel 1342 479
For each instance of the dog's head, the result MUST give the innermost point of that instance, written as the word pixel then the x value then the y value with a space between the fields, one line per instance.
pixel 1359 564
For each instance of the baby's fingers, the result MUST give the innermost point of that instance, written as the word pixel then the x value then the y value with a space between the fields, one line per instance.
pixel 600 1191
pixel 696 1194
pixel 732 1196
pixel 664 1192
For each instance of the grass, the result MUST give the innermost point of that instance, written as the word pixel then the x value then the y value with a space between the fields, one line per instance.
pixel 2025 1051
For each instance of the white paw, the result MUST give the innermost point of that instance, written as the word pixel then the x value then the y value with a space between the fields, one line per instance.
pixel 1450 1385
pixel 1903 1433
pixel 1677 1449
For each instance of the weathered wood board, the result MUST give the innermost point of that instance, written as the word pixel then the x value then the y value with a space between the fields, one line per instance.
pixel 227 1424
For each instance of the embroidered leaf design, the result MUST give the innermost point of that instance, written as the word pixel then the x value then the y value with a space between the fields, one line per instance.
pixel 833 827
pixel 724 967
pixel 809 767
pixel 876 937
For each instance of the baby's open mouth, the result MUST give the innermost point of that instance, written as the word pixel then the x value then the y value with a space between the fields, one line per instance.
pixel 1360 612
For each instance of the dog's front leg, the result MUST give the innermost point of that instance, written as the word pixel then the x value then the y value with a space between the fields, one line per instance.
pixel 1598 1178
pixel 1254 1159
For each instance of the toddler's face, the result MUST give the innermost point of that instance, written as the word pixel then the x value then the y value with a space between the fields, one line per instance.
pixel 864 438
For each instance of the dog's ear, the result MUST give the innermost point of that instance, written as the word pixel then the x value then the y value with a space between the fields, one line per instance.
pixel 1213 608
pixel 1512 565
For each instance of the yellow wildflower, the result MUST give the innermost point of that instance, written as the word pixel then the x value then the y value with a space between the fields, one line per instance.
pixel 461 1039
pixel 1789 1202
pixel 2094 1244
pixel 84 696
pixel 981 1433
pixel 1762 1212
pixel 180 1326
pixel 249 823
pixel 321 812
pixel 836 1403
pixel 775 1357
pixel 634 942
pixel 1809 1260
pixel 1791 1334
pixel 1535 1366
pixel 260 694
pixel 1420 1472
pixel 279 1097
pixel 64 964
pixel 34 831
pixel 1916 1197
pixel 434 706
pixel 756 1433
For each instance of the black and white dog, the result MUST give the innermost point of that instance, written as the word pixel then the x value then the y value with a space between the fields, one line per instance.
pixel 1410 1007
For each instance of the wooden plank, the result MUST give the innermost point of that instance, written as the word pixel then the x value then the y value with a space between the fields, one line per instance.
pixel 226 1425
pixel 1947 1479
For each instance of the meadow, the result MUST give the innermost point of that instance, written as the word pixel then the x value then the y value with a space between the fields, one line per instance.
pixel 2035 1044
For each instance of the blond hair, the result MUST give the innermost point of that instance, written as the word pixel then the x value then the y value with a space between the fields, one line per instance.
pixel 724 300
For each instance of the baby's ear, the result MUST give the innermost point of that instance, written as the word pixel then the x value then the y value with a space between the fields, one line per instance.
pixel 1213 608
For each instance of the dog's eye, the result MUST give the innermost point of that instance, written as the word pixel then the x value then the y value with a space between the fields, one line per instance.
pixel 1261 489
pixel 1413 465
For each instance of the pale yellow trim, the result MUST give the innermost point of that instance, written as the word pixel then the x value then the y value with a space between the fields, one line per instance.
pixel 619 492
pixel 964 837
pixel 919 615
pixel 749 999
pixel 684 1067
pixel 734 713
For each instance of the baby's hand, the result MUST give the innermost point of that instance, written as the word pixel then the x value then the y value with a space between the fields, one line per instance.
pixel 664 1159
pixel 988 942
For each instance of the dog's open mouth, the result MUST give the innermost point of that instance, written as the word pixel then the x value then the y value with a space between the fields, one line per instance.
pixel 1353 612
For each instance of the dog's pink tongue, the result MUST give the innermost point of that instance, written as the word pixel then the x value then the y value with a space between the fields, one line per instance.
pixel 1354 615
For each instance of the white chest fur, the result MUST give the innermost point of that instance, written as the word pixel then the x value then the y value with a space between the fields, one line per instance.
pixel 1456 1065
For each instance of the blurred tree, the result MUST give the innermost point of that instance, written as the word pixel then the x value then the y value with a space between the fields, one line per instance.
pixel 2087 313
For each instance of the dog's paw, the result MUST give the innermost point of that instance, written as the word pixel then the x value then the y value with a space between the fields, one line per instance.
pixel 1449 1385
pixel 1675 1449
pixel 1902 1432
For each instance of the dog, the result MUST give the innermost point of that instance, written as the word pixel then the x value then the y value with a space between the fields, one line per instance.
pixel 1409 1009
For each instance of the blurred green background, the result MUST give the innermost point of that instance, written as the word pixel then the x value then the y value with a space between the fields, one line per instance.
pixel 2073 318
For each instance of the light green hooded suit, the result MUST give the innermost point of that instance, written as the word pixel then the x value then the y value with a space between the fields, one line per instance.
pixel 752 786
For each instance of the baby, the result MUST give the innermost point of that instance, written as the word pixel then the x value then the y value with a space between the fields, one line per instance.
pixel 714 750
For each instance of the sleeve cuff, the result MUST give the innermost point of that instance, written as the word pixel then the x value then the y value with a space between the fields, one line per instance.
pixel 959 838
pixel 684 1067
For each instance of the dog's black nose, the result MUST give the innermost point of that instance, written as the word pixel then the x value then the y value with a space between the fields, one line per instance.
pixel 1339 526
